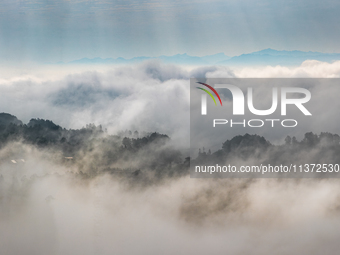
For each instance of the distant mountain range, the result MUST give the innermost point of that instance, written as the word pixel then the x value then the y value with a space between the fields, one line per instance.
pixel 263 57
pixel 275 57
pixel 182 59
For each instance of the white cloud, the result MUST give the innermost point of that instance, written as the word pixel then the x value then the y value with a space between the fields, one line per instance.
pixel 60 214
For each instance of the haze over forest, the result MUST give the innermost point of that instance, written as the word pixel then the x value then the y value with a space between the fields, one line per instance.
pixel 113 189
pixel 95 127
pixel 130 192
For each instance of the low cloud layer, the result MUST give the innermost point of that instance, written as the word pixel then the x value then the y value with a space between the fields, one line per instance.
pixel 49 207
pixel 151 96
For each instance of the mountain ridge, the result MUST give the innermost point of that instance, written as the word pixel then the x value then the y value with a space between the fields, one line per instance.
pixel 263 57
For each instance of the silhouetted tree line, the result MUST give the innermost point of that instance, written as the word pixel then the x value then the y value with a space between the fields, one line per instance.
pixel 92 150
pixel 313 148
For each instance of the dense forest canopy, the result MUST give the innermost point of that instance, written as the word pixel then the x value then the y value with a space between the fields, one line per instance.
pixel 91 150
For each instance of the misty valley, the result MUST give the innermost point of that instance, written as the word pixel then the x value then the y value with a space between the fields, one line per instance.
pixel 85 190
pixel 90 151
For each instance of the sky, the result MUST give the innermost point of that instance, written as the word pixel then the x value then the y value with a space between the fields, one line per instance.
pixel 52 31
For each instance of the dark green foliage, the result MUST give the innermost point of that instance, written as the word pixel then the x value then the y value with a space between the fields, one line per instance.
pixel 92 150
pixel 313 148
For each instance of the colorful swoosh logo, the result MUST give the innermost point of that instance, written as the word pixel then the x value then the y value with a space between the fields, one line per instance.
pixel 213 90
